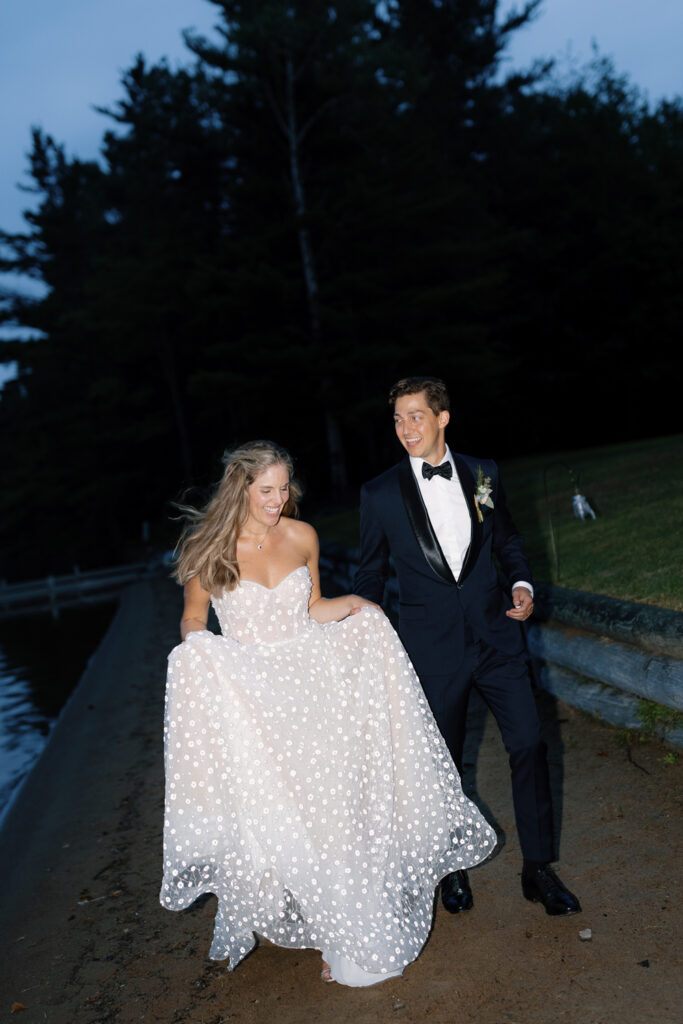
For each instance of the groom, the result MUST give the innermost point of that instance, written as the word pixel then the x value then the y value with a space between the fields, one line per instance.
pixel 442 517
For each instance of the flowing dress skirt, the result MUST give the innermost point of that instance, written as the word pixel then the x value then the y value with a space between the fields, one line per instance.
pixel 308 786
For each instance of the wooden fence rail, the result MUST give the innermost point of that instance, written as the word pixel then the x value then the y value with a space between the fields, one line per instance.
pixel 606 661
pixel 644 626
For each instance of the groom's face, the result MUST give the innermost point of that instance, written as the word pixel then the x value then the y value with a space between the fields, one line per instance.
pixel 420 430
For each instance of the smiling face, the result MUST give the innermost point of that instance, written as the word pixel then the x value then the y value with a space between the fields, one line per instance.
pixel 267 497
pixel 420 430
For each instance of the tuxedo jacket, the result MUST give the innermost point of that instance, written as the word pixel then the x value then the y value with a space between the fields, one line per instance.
pixel 434 607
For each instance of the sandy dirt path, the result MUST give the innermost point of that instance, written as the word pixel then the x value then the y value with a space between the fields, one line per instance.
pixel 85 940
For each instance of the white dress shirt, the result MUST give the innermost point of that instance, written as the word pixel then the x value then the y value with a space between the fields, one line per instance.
pixel 449 514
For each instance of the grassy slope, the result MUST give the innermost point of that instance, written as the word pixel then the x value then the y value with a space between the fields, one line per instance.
pixel 633 550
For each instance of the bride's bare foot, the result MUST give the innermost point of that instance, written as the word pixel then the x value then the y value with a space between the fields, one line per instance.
pixel 326 973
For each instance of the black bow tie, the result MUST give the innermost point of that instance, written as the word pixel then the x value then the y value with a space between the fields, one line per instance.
pixel 445 470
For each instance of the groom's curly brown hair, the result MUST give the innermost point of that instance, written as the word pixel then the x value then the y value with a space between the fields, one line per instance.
pixel 434 388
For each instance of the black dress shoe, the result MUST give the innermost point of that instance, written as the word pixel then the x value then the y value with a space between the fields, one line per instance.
pixel 456 894
pixel 541 885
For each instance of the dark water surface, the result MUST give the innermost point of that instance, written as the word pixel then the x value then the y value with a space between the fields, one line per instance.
pixel 41 661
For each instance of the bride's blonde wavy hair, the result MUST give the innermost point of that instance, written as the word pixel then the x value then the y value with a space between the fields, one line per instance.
pixel 207 547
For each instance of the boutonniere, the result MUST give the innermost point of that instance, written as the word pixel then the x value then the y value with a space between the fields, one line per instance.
pixel 482 495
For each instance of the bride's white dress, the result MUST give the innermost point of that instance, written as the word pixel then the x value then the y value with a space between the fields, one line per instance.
pixel 308 786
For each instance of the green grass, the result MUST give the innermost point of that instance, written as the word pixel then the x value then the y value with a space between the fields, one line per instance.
pixel 633 550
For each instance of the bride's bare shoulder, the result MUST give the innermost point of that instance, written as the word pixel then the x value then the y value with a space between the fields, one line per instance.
pixel 299 531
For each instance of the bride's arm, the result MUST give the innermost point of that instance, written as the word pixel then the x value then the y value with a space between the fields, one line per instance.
pixel 333 609
pixel 329 609
pixel 196 611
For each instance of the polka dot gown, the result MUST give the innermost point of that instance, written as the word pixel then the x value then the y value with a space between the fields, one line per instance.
pixel 307 784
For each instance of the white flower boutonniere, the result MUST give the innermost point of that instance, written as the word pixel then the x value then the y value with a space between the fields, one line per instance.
pixel 482 495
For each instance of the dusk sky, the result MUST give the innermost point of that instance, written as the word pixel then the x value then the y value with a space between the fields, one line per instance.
pixel 58 59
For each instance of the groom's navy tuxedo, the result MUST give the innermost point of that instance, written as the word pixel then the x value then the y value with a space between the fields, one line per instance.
pixel 455 630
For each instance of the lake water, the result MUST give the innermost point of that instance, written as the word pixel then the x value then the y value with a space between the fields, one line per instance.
pixel 41 661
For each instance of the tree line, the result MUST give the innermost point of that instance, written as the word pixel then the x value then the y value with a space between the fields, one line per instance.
pixel 328 197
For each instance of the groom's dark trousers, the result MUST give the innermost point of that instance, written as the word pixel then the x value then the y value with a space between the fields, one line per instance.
pixel 456 631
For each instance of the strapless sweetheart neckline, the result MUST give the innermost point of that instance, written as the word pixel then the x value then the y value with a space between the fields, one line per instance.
pixel 264 587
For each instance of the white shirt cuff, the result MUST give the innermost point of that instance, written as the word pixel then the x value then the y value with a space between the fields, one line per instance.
pixel 527 586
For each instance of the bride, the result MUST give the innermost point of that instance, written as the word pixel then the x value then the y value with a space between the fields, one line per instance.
pixel 307 784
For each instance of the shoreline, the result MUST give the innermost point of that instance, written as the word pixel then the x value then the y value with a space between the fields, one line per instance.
pixel 76 776
pixel 37 681
pixel 15 794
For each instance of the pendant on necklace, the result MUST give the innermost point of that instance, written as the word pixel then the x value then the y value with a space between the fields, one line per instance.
pixel 259 546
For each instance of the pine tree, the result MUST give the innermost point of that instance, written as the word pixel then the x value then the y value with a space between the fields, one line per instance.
pixel 299 78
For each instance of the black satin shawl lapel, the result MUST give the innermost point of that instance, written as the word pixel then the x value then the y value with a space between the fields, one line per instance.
pixel 468 484
pixel 419 520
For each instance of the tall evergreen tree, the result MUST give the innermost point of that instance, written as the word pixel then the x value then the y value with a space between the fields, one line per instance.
pixel 588 182
pixel 48 454
pixel 167 188
pixel 121 250
pixel 300 79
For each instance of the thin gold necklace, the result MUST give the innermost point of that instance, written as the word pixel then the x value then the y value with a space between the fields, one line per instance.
pixel 259 547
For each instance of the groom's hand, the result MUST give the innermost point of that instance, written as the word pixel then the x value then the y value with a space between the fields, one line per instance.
pixel 523 604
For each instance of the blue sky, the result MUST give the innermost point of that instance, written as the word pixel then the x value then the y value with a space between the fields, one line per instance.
pixel 58 58
pixel 644 39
